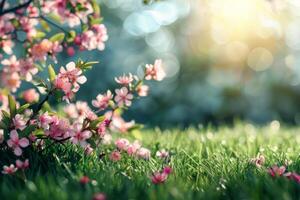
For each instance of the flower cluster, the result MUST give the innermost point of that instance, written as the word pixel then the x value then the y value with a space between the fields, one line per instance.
pixel 161 176
pixel 28 122
pixel 132 149
pixel 27 129
pixel 275 171
pixel 36 20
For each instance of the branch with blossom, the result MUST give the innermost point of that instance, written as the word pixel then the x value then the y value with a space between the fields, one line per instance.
pixel 28 124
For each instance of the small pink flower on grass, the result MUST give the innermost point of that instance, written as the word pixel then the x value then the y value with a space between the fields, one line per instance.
pixel 22 165
pixel 258 161
pixel 162 154
pixel 15 143
pixel 124 80
pixel 123 97
pixel 84 180
pixel 99 196
pixel 88 150
pixel 122 144
pixel 158 177
pixel 115 156
pixel 144 153
pixel 133 148
pixel 102 100
pixel 167 170
pixel 293 176
pixel 276 171
pixel 19 122
pixel 9 169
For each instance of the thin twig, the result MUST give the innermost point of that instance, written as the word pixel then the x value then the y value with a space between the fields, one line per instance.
pixel 2 5
pixel 14 9
pixel 53 24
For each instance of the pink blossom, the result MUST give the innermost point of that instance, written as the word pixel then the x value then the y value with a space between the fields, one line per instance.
pixel 122 144
pixel 22 165
pixel 32 137
pixel 73 74
pixel 27 69
pixel 106 139
pixel 121 125
pixel 142 90
pixel 292 175
pixel 123 97
pixel 143 153
pixel 158 178
pixel 79 136
pixel 102 100
pixel 115 156
pixel 6 46
pixel 88 150
pixel 71 51
pixel 31 96
pixel 167 170
pixel 11 80
pixel 162 154
pixel 84 180
pixel 45 120
pixel 94 38
pixel 19 122
pixel 9 169
pixel 11 64
pixel 40 50
pixel 59 129
pixel 258 161
pixel 79 111
pixel 155 71
pixel 276 171
pixel 133 148
pixel 15 143
pixel 101 130
pixel 99 196
pixel 124 80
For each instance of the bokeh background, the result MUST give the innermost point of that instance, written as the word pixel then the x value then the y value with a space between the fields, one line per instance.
pixel 225 59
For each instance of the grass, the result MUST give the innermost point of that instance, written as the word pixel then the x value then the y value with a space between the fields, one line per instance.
pixel 208 164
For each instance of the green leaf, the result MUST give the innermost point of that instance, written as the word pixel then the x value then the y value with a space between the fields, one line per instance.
pixel 5 114
pixel 45 25
pixel 71 36
pixel 96 7
pixel 85 65
pixel 52 74
pixel 28 130
pixel 40 34
pixel 12 106
pixel 54 17
pixel 57 37
pixel 95 123
pixel 23 108
pixel 3 125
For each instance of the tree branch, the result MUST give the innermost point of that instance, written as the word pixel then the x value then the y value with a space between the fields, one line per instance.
pixel 2 5
pixel 13 9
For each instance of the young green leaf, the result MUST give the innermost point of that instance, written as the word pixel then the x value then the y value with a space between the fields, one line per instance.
pixel 12 106
pixel 51 72
pixel 59 37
